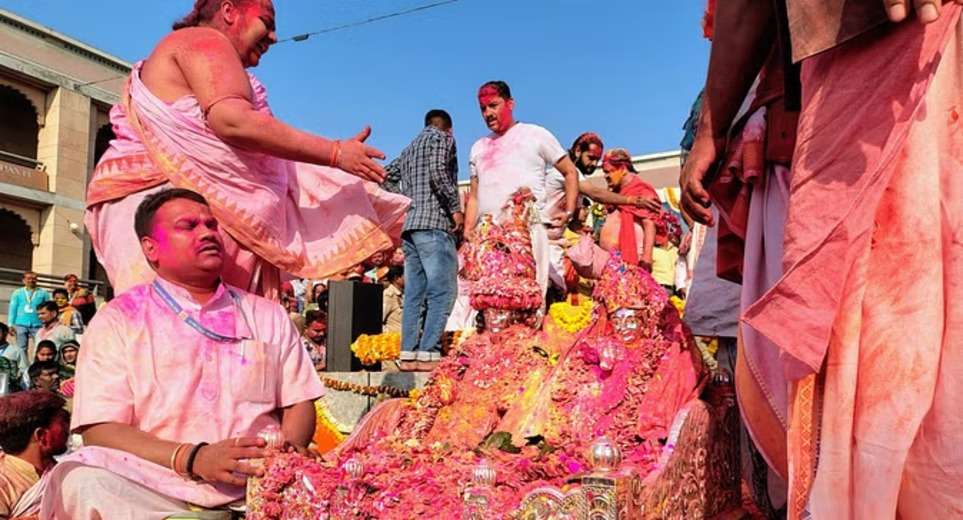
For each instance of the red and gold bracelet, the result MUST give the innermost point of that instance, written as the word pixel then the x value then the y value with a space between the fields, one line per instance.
pixel 173 463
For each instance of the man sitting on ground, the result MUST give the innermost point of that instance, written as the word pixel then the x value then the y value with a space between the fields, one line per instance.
pixel 44 375
pixel 33 429
pixel 173 365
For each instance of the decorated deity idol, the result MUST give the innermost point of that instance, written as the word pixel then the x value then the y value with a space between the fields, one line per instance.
pixel 512 401
pixel 624 379
pixel 471 388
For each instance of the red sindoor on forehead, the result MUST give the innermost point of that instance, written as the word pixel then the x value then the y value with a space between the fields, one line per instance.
pixel 488 91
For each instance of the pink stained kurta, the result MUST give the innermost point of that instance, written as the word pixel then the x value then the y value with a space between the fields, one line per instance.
pixel 277 216
pixel 873 257
pixel 142 366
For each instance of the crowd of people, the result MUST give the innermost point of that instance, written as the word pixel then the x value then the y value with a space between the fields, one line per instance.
pixel 41 339
pixel 39 347
pixel 810 198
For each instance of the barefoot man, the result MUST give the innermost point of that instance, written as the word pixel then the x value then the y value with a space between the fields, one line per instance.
pixel 192 117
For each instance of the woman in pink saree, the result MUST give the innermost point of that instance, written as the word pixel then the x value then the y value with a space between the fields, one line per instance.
pixel 192 117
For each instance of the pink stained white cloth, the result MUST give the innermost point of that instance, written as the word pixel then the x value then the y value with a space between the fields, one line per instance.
pixel 870 297
pixel 278 216
pixel 144 367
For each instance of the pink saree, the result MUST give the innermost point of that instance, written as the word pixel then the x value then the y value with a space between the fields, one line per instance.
pixel 278 216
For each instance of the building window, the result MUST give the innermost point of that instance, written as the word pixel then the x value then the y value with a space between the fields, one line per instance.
pixel 18 127
pixel 105 134
pixel 16 248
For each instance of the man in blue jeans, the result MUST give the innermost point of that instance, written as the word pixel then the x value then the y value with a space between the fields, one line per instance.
pixel 427 173
pixel 22 315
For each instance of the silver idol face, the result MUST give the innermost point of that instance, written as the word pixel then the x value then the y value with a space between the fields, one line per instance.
pixel 627 324
pixel 497 320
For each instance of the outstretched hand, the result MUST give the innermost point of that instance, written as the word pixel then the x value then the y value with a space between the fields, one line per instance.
pixel 695 199
pixel 927 11
pixel 358 158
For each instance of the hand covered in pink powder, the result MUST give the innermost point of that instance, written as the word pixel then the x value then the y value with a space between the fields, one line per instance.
pixel 358 158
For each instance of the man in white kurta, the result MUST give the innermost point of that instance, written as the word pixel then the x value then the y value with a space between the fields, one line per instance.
pixel 170 365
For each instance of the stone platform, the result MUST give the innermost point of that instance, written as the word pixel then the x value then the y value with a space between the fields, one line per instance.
pixel 348 407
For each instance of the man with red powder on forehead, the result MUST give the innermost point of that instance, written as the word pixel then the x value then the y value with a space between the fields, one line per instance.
pixel 177 379
pixel 513 156
pixel 192 117
pixel 586 153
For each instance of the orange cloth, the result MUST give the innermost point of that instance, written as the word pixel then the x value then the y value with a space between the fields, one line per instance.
pixel 16 477
pixel 633 187
pixel 871 290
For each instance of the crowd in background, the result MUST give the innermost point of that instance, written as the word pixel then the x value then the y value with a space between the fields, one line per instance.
pixel 42 337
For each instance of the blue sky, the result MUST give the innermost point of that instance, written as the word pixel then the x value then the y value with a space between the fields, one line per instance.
pixel 627 69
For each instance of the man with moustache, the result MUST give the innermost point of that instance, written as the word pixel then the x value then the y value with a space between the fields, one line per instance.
pixel 585 153
pixel 192 117
pixel 173 365
pixel 34 427
pixel 517 155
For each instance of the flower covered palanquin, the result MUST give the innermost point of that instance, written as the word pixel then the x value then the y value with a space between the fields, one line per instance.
pixel 527 406
pixel 499 261
pixel 602 385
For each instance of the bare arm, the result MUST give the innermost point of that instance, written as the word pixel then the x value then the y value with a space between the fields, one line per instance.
pixel 213 71
pixel 471 207
pixel 743 36
pixel 596 190
pixel 297 424
pixel 567 167
pixel 127 438
pixel 217 462
pixel 648 242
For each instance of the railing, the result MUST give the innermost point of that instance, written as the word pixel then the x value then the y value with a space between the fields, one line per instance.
pixel 22 171
pixel 14 277
pixel 11 157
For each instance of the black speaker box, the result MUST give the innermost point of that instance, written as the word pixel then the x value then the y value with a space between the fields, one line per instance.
pixel 354 308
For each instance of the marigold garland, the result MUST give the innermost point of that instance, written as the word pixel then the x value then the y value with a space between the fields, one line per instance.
pixel 572 318
pixel 328 432
pixel 679 305
pixel 450 340
pixel 708 346
pixel 371 391
pixel 414 394
pixel 371 349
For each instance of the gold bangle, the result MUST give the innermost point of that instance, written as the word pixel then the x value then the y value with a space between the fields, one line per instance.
pixel 336 154
pixel 177 450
